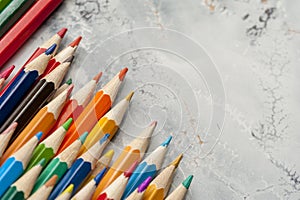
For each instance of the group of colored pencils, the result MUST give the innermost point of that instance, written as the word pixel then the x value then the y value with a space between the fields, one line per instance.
pixel 19 19
pixel 51 145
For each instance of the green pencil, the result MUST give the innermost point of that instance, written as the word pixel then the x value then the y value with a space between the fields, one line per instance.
pixel 12 12
pixel 61 163
pixel 3 4
pixel 48 148
pixel 21 189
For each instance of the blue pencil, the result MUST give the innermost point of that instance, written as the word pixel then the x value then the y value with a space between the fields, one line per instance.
pixel 147 168
pixel 81 168
pixel 15 165
pixel 23 82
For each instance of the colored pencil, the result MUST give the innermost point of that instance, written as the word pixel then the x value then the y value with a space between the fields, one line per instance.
pixel 134 152
pixel 22 30
pixel 115 190
pixel 55 39
pixel 62 56
pixel 109 123
pixel 62 88
pixel 96 108
pixel 3 4
pixel 102 163
pixel 14 94
pixel 139 192
pixel 15 165
pixel 35 99
pixel 43 121
pixel 61 163
pixel 66 194
pixel 5 137
pixel 77 102
pixel 80 168
pixel 20 190
pixel 5 74
pixel 180 192
pixel 88 190
pixel 48 148
pixel 12 13
pixel 148 167
pixel 43 192
pixel 159 187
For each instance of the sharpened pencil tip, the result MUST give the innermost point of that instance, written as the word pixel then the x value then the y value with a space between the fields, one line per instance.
pixel 154 123
pixel 51 49
pixel 39 135
pixel 83 137
pixel 62 32
pixel 104 138
pixel 69 189
pixel 42 162
pixel 97 77
pixel 99 176
pixel 75 42
pixel 144 184
pixel 187 182
pixel 122 73
pixel 69 89
pixel 51 181
pixel 5 74
pixel 129 96
pixel 131 169
pixel 110 153
pixel 177 160
pixel 67 124
pixel 69 81
pixel 167 141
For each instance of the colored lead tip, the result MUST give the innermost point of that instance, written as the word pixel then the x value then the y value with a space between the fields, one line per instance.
pixel 67 124
pixel 131 169
pixel 51 181
pixel 69 59
pixel 154 123
pixel 11 128
pixel 51 49
pixel 39 135
pixel 110 153
pixel 83 137
pixel 69 81
pixel 68 190
pixel 5 74
pixel 177 161
pixel 122 73
pixel 97 77
pixel 62 32
pixel 167 141
pixel 187 182
pixel 42 162
pixel 104 138
pixel 99 176
pixel 129 96
pixel 144 184
pixel 75 42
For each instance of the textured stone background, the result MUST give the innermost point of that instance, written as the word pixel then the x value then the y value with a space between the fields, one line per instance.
pixel 243 145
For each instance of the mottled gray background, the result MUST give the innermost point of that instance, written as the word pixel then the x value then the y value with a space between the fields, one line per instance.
pixel 221 76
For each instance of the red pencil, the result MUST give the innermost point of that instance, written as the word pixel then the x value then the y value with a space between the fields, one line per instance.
pixel 25 27
pixel 41 49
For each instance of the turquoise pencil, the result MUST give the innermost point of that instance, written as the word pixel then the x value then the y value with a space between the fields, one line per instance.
pixel 15 165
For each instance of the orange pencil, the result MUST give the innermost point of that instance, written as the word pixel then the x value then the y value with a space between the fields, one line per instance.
pixel 77 102
pixel 96 108
pixel 109 123
pixel 42 121
pixel 134 152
